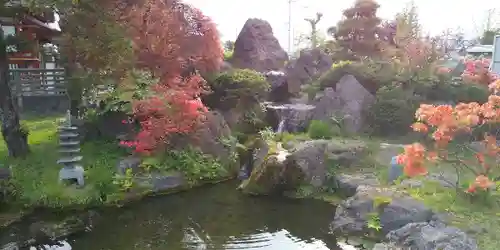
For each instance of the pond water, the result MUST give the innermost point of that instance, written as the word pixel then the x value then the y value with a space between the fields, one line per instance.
pixel 212 217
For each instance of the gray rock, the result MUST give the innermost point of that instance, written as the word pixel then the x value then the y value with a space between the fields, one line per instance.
pixel 5 173
pixel 347 103
pixel 129 162
pixel 443 179
pixel 257 48
pixel 351 215
pixel 279 172
pixel 317 157
pixel 431 236
pixel 212 138
pixel 296 117
pixel 310 65
pixel 279 87
pixel 160 183
pixel 386 246
pixel 348 184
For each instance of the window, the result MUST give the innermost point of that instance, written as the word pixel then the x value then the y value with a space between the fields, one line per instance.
pixel 8 30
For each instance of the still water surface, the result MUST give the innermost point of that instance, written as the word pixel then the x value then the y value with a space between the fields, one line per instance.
pixel 212 217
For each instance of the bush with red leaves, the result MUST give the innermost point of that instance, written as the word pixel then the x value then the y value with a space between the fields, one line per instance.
pixel 176 42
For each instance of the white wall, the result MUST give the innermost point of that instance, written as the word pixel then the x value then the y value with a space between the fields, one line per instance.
pixel 495 62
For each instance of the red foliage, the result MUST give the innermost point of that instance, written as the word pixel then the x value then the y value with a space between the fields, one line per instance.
pixel 171 39
pixel 476 71
pixel 170 36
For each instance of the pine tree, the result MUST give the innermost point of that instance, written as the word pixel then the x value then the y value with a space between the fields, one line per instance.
pixel 358 32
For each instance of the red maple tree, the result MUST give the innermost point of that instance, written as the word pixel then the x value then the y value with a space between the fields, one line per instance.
pixel 176 42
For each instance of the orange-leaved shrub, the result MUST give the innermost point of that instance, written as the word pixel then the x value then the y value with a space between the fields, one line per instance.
pixel 444 123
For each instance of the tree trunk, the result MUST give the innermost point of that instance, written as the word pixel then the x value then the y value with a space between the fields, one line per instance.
pixel 14 136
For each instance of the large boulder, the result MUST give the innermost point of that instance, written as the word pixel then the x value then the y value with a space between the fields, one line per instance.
pixel 279 87
pixel 257 48
pixel 432 235
pixel 315 158
pixel 212 138
pixel 348 100
pixel 393 209
pixel 276 169
pixel 273 174
pixel 310 65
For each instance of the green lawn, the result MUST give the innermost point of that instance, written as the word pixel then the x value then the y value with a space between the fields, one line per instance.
pixel 35 178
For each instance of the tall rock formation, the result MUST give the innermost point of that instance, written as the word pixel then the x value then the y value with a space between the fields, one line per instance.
pixel 257 48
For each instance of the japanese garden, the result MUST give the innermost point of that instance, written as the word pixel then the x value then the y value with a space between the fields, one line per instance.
pixel 133 125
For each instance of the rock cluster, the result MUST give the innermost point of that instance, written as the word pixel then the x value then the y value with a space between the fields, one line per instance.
pixel 406 223
pixel 306 163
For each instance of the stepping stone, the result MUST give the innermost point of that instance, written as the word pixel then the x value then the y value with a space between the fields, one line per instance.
pixel 69 159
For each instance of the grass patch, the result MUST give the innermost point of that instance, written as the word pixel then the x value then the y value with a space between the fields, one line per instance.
pixel 478 219
pixel 35 177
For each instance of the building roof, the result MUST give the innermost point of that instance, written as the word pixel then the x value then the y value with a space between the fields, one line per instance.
pixel 480 49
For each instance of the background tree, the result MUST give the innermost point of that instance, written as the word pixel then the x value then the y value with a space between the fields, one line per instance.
pixel 313 22
pixel 489 30
pixel 488 36
pixel 14 135
pixel 358 32
pixel 229 45
pixel 407 23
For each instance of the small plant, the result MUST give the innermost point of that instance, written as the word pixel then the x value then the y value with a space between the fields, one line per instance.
pixel 373 222
pixel 195 165
pixel 267 134
pixel 305 191
pixel 320 130
pixel 151 163
pixel 125 182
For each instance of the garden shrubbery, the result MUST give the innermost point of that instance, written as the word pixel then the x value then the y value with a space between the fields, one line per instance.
pixel 320 130
pixel 236 88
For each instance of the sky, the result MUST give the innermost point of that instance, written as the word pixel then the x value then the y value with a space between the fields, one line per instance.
pixel 468 16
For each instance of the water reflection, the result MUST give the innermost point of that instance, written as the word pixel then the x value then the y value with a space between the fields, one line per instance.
pixel 211 218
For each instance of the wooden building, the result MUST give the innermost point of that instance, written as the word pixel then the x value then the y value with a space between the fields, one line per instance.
pixel 38 29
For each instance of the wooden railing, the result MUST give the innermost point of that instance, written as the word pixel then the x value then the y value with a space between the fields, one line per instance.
pixel 37 82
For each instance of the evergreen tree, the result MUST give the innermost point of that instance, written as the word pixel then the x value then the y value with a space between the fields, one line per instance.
pixel 358 32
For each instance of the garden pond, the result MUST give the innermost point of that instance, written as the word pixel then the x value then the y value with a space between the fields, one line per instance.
pixel 211 217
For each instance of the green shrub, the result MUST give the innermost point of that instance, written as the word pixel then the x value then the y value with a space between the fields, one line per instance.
pixel 471 93
pixel 320 130
pixel 193 164
pixel 389 117
pixel 371 74
pixel 455 93
pixel 236 88
pixel 228 55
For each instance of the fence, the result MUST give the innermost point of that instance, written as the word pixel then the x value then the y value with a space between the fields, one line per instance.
pixel 39 90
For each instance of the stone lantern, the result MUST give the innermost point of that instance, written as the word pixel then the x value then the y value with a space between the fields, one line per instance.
pixel 69 148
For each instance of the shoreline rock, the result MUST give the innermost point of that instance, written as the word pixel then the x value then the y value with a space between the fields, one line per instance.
pixel 405 223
